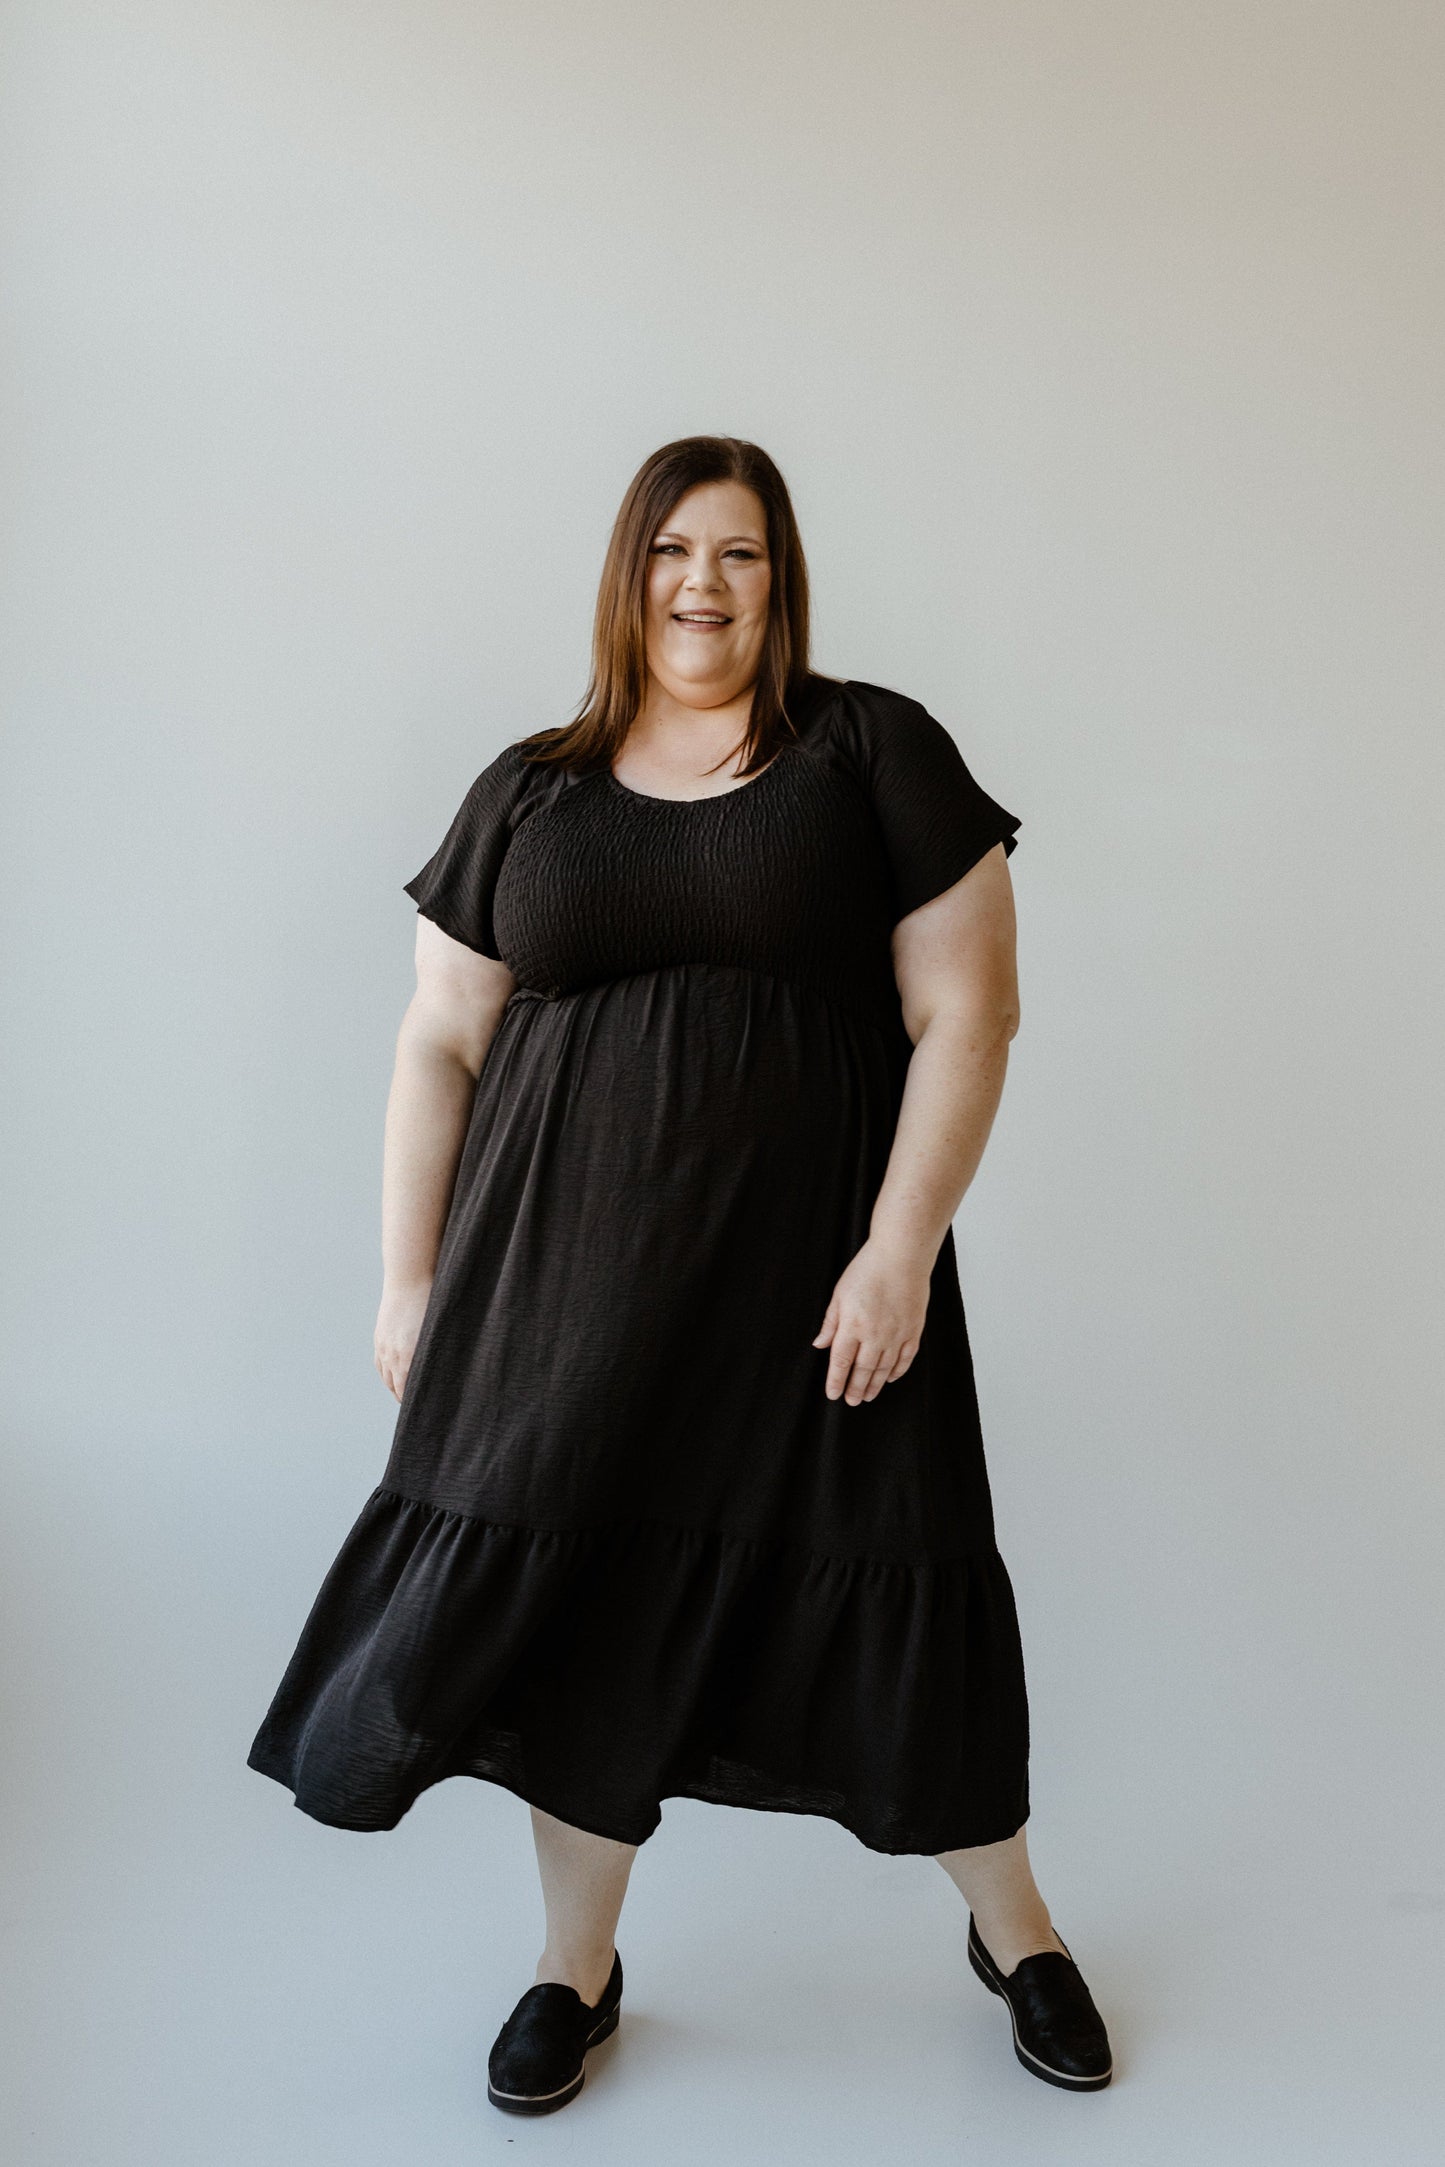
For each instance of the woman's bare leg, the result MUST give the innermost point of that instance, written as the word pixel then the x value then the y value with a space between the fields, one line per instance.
pixel 584 1879
pixel 997 1883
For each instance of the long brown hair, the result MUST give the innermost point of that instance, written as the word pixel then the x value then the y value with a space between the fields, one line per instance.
pixel 618 682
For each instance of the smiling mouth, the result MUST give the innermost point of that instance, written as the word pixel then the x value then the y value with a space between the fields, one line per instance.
pixel 706 620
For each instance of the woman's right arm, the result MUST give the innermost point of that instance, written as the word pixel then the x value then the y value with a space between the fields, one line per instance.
pixel 448 1026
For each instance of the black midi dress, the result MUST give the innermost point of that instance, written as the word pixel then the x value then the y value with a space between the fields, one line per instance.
pixel 624 1547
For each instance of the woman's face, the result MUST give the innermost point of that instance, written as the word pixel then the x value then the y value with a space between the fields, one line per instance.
pixel 708 580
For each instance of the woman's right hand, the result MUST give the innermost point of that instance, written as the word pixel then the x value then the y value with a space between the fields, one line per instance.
pixel 398 1323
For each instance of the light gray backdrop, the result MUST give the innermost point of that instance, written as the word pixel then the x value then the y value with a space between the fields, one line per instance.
pixel 1101 343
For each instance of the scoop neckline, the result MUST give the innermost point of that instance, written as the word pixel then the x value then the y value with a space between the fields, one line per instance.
pixel 714 797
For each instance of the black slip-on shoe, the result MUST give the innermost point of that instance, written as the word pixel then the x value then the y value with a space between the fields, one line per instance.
pixel 536 2064
pixel 1058 2033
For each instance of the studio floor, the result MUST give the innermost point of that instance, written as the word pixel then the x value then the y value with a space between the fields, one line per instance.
pixel 242 1988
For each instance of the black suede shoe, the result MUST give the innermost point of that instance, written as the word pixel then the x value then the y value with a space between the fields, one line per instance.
pixel 1058 2033
pixel 536 2064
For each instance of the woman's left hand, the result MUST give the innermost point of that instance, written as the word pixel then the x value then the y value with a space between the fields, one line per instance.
pixel 874 1322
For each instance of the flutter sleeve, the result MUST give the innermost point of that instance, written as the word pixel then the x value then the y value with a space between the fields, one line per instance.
pixel 936 820
pixel 456 885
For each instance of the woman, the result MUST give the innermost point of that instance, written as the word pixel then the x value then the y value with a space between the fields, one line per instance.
pixel 687 1495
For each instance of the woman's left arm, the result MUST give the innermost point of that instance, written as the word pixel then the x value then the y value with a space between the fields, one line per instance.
pixel 955 962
